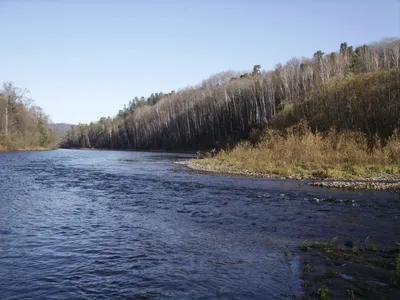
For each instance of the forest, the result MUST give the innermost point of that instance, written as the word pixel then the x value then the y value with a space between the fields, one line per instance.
pixel 229 107
pixel 23 126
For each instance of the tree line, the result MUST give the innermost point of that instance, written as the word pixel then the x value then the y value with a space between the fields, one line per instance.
pixel 22 124
pixel 227 106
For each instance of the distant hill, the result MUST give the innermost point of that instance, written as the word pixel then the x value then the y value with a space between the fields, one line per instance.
pixel 60 128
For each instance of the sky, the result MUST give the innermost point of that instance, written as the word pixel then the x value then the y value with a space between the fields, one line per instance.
pixel 82 60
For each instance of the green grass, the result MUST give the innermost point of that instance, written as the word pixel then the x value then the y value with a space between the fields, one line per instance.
pixel 382 262
pixel 371 255
pixel 325 276
pixel 323 294
pixel 350 295
pixel 398 264
pixel 305 248
pixel 382 259
pixel 370 246
pixel 307 268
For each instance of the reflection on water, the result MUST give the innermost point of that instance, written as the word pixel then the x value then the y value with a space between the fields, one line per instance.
pixel 109 224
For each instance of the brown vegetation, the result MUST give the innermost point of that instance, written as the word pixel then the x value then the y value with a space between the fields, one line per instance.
pixel 300 153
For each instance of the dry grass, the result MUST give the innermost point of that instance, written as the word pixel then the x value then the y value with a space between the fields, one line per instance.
pixel 300 153
pixel 6 146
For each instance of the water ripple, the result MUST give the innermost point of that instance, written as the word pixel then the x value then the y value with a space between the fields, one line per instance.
pixel 129 225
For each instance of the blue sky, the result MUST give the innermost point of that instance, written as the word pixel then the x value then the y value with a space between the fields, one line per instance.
pixel 82 60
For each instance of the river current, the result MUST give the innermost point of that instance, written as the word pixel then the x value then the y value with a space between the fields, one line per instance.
pixel 134 225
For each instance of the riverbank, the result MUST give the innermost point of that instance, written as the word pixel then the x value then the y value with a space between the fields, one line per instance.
pixel 135 150
pixel 368 183
pixel 3 149
pixel 339 159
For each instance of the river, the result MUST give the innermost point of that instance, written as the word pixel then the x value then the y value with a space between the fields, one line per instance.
pixel 134 225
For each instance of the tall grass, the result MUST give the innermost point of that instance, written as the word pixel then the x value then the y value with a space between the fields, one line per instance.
pixel 300 152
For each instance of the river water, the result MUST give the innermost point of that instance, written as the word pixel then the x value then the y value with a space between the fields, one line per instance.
pixel 134 225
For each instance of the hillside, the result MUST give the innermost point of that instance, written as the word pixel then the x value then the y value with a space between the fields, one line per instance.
pixel 344 129
pixel 228 107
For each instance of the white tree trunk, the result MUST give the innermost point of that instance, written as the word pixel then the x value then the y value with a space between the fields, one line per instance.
pixel 6 125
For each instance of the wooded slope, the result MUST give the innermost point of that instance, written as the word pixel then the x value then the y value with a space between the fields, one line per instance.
pixel 23 126
pixel 227 107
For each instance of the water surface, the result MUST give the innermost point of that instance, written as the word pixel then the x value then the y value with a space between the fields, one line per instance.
pixel 125 225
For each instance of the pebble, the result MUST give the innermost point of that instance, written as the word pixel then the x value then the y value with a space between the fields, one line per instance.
pixel 392 184
pixel 358 185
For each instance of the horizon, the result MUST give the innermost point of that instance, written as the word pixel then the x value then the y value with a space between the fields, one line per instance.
pixel 85 60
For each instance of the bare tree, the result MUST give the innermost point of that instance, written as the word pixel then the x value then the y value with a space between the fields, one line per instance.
pixel 227 106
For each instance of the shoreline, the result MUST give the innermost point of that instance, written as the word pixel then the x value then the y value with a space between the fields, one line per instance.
pixel 373 183
pixel 134 150
pixel 27 150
